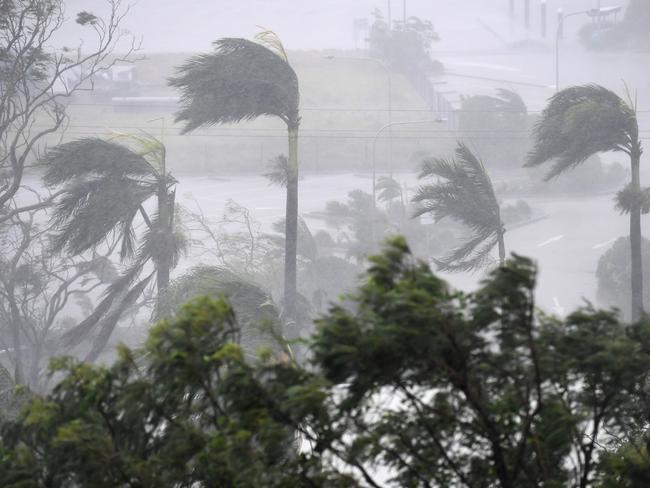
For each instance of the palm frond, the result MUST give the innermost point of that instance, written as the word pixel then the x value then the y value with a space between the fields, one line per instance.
pixel 270 40
pixel 240 80
pixel 162 244
pixel 388 188
pixel 471 256
pixel 463 191
pixel 92 157
pixel 579 122
pixel 89 211
pixel 508 101
pixel 257 316
pixel 145 145
pixel 107 325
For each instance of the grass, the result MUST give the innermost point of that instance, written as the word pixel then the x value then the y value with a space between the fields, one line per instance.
pixel 343 104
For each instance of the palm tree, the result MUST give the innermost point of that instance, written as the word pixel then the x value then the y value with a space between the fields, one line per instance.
pixel 243 80
pixel 581 121
pixel 257 316
pixel 463 192
pixel 103 187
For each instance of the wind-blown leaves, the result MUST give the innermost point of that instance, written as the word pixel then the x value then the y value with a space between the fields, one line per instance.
pixel 256 314
pixel 388 189
pixel 579 122
pixel 92 157
pixel 240 80
pixel 463 192
pixel 104 185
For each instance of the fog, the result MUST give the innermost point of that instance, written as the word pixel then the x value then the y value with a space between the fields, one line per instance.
pixel 265 152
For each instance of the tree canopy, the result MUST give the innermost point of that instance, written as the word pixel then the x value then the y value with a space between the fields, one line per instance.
pixel 411 384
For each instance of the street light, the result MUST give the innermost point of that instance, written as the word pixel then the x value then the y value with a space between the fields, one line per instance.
pixel 383 66
pixel 559 33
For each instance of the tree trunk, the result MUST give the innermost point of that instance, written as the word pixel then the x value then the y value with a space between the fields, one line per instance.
pixel 636 260
pixel 291 228
pixel 502 246
pixel 164 222
pixel 19 376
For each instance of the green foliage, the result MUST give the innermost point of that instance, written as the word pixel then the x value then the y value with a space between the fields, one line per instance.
pixel 257 316
pixel 579 122
pixel 437 388
pixel 240 80
pixel 196 414
pixel 483 393
pixel 463 192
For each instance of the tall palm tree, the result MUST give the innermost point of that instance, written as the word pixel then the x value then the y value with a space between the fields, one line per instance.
pixel 242 80
pixel 463 191
pixel 581 121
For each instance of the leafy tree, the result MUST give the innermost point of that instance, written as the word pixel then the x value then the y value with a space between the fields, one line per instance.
pixel 243 80
pixel 437 388
pixel 463 193
pixel 581 121
pixel 35 80
pixel 188 410
pixel 37 287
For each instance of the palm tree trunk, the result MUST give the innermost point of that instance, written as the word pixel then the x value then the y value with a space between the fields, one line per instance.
pixel 502 247
pixel 636 260
pixel 164 218
pixel 291 227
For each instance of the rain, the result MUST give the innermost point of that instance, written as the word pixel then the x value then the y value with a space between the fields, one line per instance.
pixel 375 243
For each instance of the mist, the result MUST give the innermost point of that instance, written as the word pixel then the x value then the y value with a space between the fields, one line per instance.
pixel 343 189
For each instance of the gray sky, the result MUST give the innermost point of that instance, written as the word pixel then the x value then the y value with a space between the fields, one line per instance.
pixel 191 25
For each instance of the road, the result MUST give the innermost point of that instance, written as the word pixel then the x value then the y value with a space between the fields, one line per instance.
pixel 566 244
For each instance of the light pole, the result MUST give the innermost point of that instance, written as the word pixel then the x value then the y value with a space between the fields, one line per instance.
pixel 559 34
pixel 383 66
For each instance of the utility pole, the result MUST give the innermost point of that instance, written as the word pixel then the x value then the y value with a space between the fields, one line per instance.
pixel 404 8
pixel 543 14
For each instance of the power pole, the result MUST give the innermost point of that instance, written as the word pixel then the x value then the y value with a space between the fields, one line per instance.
pixel 543 14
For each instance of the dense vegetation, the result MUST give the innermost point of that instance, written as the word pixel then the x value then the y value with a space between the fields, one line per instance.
pixel 286 354
pixel 439 388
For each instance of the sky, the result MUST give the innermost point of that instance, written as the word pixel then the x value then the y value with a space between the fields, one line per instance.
pixel 191 25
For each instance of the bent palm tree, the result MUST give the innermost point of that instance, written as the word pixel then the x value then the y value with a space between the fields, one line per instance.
pixel 104 186
pixel 581 121
pixel 466 195
pixel 243 80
